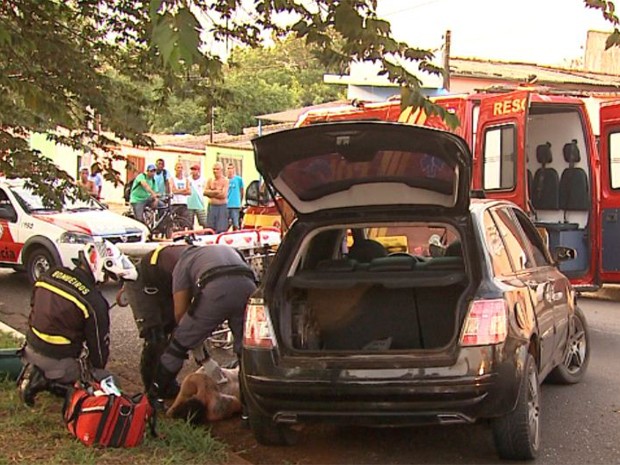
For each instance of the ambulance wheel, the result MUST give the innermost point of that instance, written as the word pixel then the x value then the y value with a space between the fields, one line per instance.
pixel 39 262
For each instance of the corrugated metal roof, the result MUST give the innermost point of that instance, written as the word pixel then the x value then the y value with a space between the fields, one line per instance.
pixel 522 72
pixel 290 116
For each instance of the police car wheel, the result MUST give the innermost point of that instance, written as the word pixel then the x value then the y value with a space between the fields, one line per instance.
pixel 39 261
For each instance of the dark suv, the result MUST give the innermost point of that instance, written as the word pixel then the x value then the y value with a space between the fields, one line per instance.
pixel 394 299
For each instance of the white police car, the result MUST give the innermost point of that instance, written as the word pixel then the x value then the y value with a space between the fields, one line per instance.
pixel 33 237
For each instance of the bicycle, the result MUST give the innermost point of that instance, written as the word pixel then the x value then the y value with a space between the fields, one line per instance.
pixel 164 219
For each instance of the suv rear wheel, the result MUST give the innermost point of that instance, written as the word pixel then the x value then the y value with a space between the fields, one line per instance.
pixel 577 353
pixel 517 435
pixel 39 261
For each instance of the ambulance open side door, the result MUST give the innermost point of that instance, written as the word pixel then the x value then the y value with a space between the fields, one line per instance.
pixel 609 207
pixel 499 166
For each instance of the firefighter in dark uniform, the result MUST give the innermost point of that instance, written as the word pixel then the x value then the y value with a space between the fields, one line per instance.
pixel 69 317
pixel 150 298
pixel 210 284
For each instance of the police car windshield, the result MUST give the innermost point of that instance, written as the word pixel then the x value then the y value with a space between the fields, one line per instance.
pixel 33 202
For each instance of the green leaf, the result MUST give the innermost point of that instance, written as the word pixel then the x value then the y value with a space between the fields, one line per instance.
pixel 188 36
pixel 5 36
pixel 613 40
pixel 165 38
pixel 154 7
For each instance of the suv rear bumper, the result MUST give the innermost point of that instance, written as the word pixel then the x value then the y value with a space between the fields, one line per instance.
pixel 470 389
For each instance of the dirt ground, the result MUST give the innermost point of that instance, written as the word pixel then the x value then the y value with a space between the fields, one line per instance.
pixel 310 449
pixel 231 432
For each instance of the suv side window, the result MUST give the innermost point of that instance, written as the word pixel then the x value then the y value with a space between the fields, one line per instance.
pixel 516 245
pixel 495 245
pixel 533 239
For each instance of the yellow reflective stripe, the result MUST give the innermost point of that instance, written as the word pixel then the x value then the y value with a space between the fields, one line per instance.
pixel 156 254
pixel 58 340
pixel 405 115
pixel 64 294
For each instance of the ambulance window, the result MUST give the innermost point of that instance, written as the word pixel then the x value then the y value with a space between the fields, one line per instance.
pixel 499 157
pixel 614 160
pixel 474 127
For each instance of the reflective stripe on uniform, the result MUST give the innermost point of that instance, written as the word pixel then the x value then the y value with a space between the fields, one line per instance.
pixel 65 295
pixel 155 255
pixel 58 340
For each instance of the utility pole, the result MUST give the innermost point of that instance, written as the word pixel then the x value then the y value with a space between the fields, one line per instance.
pixel 446 61
pixel 212 129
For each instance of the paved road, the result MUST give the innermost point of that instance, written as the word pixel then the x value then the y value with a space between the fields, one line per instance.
pixel 580 425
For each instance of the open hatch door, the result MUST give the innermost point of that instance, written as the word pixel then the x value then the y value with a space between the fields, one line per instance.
pixel 366 164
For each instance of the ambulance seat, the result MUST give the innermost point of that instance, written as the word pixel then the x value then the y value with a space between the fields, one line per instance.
pixel 574 191
pixel 546 184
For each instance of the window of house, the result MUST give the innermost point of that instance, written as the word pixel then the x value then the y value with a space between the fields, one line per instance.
pixel 237 162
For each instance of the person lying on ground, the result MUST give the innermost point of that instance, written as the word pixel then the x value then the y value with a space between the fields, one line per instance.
pixel 202 400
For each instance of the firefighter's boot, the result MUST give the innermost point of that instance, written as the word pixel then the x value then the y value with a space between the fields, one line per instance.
pixel 31 381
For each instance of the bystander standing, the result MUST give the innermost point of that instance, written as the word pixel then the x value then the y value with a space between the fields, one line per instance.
pixel 85 182
pixel 217 191
pixel 235 196
pixel 97 178
pixel 180 190
pixel 161 178
pixel 195 202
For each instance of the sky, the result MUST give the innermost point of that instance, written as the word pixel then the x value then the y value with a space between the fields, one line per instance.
pixel 536 31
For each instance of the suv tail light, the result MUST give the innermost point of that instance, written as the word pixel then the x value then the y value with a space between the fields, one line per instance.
pixel 486 323
pixel 257 332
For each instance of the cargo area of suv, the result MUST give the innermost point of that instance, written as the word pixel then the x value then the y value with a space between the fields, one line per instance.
pixel 392 288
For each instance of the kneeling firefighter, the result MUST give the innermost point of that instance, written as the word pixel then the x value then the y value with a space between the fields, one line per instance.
pixel 150 298
pixel 210 284
pixel 68 334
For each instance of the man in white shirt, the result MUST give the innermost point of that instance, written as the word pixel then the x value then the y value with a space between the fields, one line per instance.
pixel 195 202
pixel 180 190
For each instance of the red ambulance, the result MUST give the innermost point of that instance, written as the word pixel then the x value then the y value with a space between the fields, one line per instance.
pixel 538 149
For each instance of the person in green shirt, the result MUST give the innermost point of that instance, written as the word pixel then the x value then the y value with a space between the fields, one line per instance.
pixel 143 192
